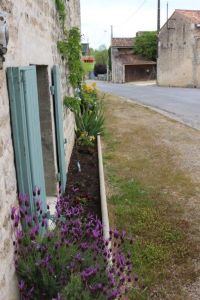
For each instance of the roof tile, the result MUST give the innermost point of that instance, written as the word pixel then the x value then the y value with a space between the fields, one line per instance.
pixel 122 42
pixel 193 15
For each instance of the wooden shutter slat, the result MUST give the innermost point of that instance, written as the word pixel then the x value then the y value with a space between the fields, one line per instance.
pixel 22 86
pixel 59 126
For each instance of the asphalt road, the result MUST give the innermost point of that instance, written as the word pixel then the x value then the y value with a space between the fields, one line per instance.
pixel 182 104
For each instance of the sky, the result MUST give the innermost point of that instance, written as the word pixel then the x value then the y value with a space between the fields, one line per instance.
pixel 126 16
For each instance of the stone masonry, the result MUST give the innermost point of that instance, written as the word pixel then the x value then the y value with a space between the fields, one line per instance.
pixel 179 50
pixel 34 31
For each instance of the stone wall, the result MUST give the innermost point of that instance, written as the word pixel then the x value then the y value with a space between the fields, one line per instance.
pixel 179 53
pixel 118 74
pixel 34 31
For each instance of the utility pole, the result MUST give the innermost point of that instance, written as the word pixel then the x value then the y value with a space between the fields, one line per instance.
pixel 158 18
pixel 158 30
pixel 167 11
pixel 111 54
pixel 111 31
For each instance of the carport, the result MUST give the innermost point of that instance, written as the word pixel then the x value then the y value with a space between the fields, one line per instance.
pixel 140 72
pixel 137 68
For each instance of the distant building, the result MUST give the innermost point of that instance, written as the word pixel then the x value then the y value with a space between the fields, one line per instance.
pixel 127 66
pixel 85 49
pixel 88 61
pixel 179 50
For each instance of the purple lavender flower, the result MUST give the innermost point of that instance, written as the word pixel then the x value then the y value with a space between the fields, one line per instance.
pixel 75 190
pixel 84 246
pixel 113 295
pixel 16 220
pixel 26 201
pixel 116 234
pixel 96 233
pixel 36 191
pixel 13 212
pixel 21 285
pixel 78 258
pixel 29 220
pixel 88 272
pixel 111 278
pixel 76 228
pixel 19 235
pixel 34 232
pixel 44 223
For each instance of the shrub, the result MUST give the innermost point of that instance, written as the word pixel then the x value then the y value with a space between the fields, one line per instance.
pixel 70 262
pixel 100 69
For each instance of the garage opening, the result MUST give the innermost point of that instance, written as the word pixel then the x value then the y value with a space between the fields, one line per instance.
pixel 140 72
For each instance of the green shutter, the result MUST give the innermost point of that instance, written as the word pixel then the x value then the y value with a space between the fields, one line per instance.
pixel 59 126
pixel 23 94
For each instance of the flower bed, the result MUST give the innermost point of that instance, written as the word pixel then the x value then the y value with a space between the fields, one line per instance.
pixel 83 174
pixel 70 262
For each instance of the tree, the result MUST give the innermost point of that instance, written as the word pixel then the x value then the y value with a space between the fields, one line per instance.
pixel 100 69
pixel 146 45
pixel 100 54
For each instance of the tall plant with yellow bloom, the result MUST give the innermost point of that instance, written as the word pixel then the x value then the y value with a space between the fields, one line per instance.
pixel 88 114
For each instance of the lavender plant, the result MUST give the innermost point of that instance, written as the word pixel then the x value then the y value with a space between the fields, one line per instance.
pixel 70 262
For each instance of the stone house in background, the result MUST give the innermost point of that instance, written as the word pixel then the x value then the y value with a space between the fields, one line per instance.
pixel 127 66
pixel 36 132
pixel 179 50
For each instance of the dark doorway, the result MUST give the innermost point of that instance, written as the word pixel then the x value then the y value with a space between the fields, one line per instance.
pixel 47 129
pixel 139 72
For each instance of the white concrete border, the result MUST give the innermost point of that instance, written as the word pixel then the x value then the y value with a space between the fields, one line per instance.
pixel 104 207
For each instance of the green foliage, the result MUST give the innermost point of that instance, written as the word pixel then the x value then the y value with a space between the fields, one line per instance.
pixel 29 271
pixel 73 104
pixel 90 121
pixel 88 112
pixel 101 55
pixel 86 140
pixel 87 67
pixel 60 5
pixel 75 289
pixel 70 48
pixel 146 45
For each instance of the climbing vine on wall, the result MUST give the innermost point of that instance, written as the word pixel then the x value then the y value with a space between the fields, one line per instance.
pixel 60 5
pixel 70 48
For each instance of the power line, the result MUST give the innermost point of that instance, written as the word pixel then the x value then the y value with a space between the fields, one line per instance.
pixel 132 15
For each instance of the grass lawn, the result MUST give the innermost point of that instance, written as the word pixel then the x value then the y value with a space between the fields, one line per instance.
pixel 148 191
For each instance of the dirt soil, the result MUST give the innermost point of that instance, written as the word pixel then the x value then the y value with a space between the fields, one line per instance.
pixel 166 154
pixel 83 174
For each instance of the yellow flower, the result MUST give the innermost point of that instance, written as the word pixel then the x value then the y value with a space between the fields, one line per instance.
pixel 88 88
pixel 92 138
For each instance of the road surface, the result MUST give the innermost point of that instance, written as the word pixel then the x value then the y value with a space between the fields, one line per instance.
pixel 182 104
